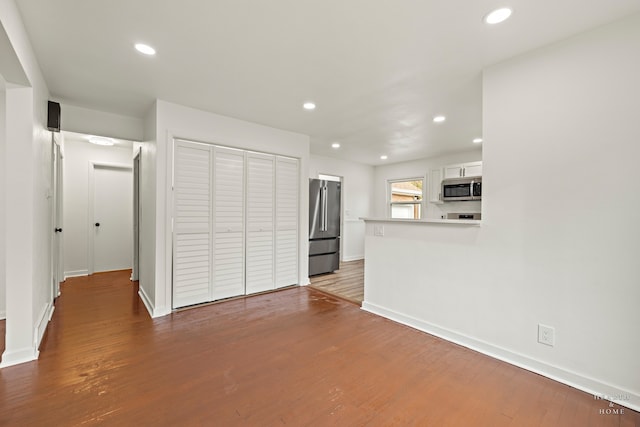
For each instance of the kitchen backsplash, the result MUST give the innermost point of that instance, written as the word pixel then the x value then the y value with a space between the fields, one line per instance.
pixel 437 211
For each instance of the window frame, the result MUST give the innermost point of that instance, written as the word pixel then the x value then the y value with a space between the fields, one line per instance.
pixel 421 203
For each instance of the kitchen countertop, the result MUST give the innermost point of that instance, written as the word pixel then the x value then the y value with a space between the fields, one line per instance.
pixel 474 222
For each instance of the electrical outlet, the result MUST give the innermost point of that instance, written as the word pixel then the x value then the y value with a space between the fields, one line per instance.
pixel 546 335
pixel 378 230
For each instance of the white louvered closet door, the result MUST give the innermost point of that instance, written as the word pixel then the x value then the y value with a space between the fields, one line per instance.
pixel 228 220
pixel 192 224
pixel 260 222
pixel 287 196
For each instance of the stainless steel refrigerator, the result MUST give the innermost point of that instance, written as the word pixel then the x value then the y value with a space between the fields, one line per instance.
pixel 324 226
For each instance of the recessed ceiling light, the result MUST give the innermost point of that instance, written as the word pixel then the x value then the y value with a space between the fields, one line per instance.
pixel 101 140
pixel 383 157
pixel 144 48
pixel 477 140
pixel 439 119
pixel 497 16
pixel 309 106
pixel 335 145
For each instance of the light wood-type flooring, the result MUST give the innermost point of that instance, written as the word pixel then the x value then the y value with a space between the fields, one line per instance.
pixel 296 357
pixel 347 282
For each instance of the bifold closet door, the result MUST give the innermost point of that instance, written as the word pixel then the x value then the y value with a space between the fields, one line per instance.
pixel 260 222
pixel 286 245
pixel 228 220
pixel 192 224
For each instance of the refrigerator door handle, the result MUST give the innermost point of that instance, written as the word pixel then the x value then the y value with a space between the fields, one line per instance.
pixel 323 219
pixel 321 211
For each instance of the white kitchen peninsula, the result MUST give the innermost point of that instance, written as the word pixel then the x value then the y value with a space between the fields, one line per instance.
pixel 421 273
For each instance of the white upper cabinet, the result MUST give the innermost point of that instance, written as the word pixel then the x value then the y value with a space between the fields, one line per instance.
pixel 462 170
pixel 435 185
pixel 472 169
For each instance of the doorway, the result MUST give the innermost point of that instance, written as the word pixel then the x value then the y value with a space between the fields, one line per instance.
pixel 111 223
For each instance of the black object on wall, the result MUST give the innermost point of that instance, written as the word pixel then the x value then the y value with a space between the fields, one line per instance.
pixel 53 118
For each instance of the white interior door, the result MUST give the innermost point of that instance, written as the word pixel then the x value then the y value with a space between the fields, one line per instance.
pixel 260 223
pixel 192 224
pixel 112 221
pixel 286 245
pixel 57 264
pixel 228 220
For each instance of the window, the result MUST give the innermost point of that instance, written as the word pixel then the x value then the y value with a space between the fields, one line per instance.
pixel 405 198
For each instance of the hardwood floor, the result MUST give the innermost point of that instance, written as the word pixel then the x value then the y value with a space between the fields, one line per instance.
pixel 295 357
pixel 347 282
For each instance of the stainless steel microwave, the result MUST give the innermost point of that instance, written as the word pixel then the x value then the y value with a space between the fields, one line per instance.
pixel 461 189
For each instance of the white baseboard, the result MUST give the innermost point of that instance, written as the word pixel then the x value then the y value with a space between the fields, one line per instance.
pixel 75 273
pixel 589 385
pixel 3 314
pixel 353 258
pixel 10 358
pixel 42 324
pixel 28 354
pixel 145 300
pixel 153 311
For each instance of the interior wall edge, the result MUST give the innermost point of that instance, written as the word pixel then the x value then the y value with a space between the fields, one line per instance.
pixel 153 311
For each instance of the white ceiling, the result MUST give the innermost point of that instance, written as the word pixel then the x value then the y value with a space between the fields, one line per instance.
pixel 379 70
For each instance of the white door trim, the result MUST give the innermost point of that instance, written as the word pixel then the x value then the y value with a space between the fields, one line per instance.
pixel 90 232
pixel 135 270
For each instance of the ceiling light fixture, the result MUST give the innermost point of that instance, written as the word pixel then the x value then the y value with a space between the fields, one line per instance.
pixel 477 140
pixel 309 106
pixel 146 49
pixel 383 157
pixel 335 145
pixel 497 16
pixel 101 140
pixel 439 119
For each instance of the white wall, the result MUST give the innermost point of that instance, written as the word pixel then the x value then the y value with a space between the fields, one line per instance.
pixel 29 290
pixel 357 190
pixel 93 122
pixel 175 121
pixel 148 188
pixel 3 132
pixel 421 168
pixel 78 154
pixel 559 240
